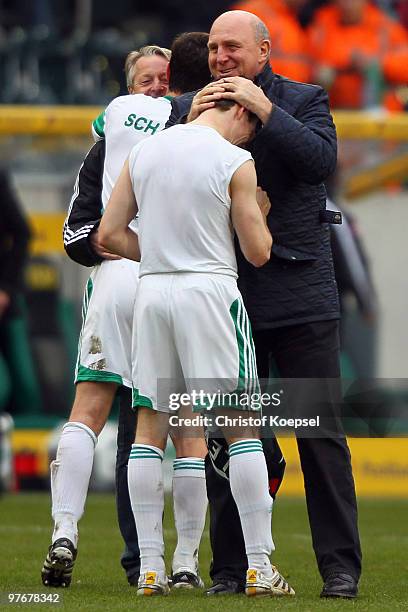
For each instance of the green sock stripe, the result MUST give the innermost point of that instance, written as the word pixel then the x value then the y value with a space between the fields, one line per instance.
pixel 136 449
pixel 195 461
pixel 244 443
pixel 145 451
pixel 199 466
pixel 237 448
pixel 145 457
pixel 187 463
pixel 189 467
pixel 242 448
pixel 248 450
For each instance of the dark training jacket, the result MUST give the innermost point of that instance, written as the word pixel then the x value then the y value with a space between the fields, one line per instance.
pixel 294 152
pixel 85 208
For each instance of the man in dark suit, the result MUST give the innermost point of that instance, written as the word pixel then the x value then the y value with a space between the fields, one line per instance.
pixel 292 301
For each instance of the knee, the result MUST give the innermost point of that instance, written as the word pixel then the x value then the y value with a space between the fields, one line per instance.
pixel 90 419
pixel 72 428
pixel 190 446
pixel 92 404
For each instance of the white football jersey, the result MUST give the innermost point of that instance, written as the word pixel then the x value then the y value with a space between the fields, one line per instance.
pixel 181 182
pixel 125 122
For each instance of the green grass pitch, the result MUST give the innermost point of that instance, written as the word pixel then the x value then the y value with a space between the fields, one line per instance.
pixel 99 582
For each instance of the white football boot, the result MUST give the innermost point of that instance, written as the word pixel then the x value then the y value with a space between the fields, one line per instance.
pixel 257 583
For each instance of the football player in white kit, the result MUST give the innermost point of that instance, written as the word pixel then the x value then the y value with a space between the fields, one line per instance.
pixel 192 189
pixel 104 359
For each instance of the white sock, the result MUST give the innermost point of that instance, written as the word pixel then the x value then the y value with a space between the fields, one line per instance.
pixel 70 474
pixel 190 507
pixel 249 487
pixel 146 491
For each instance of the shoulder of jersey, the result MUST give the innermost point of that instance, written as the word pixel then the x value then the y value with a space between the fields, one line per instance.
pixel 137 100
pixel 123 100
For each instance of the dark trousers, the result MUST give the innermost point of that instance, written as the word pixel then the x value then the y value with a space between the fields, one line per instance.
pixel 309 350
pixel 130 559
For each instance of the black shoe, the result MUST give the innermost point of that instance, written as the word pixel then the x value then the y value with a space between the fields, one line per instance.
pixel 59 563
pixel 223 586
pixel 186 580
pixel 133 579
pixel 340 585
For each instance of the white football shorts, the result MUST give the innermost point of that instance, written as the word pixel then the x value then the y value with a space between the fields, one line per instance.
pixel 105 342
pixel 194 337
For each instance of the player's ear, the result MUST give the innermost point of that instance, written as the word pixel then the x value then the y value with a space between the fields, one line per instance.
pixel 130 89
pixel 240 111
pixel 168 71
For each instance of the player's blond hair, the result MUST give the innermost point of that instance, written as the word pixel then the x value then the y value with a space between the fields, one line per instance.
pixel 134 56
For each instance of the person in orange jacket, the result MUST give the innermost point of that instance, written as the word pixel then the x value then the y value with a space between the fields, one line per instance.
pixel 360 55
pixel 289 52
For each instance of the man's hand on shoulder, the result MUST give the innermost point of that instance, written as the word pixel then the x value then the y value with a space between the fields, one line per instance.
pixel 248 95
pixel 99 249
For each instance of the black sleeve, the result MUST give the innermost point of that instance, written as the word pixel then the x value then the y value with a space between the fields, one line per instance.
pixel 307 143
pixel 85 209
pixel 15 237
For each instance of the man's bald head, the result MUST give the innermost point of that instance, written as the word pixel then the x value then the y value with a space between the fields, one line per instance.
pixel 244 19
pixel 239 45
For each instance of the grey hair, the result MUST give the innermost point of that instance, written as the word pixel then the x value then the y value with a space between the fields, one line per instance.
pixel 261 31
pixel 134 56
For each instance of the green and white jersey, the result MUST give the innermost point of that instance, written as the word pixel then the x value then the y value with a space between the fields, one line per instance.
pixel 125 122
pixel 181 182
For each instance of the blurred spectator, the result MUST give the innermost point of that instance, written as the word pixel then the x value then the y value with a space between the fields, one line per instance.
pixel 308 10
pixel 403 12
pixel 289 55
pixel 358 299
pixel 28 14
pixel 16 366
pixel 14 236
pixel 360 55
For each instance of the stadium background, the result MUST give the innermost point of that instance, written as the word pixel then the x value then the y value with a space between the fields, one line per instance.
pixel 60 63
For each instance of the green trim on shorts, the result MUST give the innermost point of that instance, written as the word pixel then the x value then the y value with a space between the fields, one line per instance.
pixel 85 304
pixel 247 374
pixel 140 401
pixel 235 314
pixel 85 374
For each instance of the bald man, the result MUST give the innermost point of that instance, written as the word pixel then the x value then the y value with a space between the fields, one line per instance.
pixel 292 300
